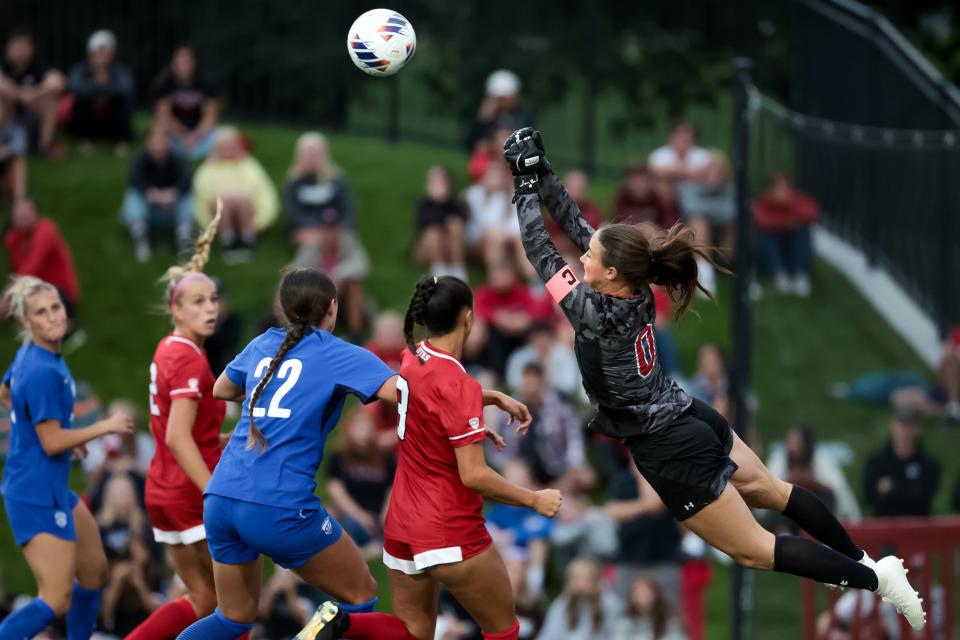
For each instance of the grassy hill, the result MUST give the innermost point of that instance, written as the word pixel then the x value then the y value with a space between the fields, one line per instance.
pixel 800 346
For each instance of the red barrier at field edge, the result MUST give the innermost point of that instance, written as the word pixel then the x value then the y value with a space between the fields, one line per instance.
pixel 928 547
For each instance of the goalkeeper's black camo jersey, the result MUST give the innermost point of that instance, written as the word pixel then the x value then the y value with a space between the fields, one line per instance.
pixel 615 345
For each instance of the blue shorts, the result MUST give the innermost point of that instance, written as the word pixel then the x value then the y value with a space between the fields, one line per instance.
pixel 27 520
pixel 239 531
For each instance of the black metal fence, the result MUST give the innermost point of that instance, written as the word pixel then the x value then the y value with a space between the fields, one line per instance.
pixel 605 77
pixel 873 131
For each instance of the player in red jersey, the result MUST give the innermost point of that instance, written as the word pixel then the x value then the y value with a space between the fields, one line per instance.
pixel 185 420
pixel 435 531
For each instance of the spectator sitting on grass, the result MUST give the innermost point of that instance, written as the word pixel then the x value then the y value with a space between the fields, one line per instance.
pixel 530 604
pixel 901 479
pixel 493 229
pixel 487 153
pixel 783 217
pixel 316 192
pixel 127 598
pixel 35 247
pixel 504 311
pixel 102 91
pixel 158 195
pixel 710 379
pixel 680 159
pixel 249 198
pixel 801 461
pixel 636 201
pixel 359 478
pixel 500 108
pixel 554 444
pixel 648 534
pixel 186 106
pixel 31 92
pixel 647 615
pixel 283 610
pixel 323 220
pixel 13 151
pixel 521 532
pixel 710 205
pixel 549 350
pixel 585 610
pixel 389 344
pixel 440 227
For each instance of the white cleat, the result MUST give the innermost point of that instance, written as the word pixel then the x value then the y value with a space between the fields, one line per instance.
pixel 895 589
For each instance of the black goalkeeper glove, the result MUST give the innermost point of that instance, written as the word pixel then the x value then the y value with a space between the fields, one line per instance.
pixel 523 151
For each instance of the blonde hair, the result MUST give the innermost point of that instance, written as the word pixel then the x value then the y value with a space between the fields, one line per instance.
pixel 21 289
pixel 201 254
pixel 225 132
pixel 719 157
pixel 326 172
pixel 108 515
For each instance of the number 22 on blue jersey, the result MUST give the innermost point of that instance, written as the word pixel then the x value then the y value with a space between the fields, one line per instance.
pixel 289 371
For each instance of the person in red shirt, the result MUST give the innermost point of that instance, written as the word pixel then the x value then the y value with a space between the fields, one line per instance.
pixel 783 217
pixel 185 420
pixel 36 248
pixel 949 374
pixel 505 311
pixel 435 532
pixel 387 343
pixel 638 200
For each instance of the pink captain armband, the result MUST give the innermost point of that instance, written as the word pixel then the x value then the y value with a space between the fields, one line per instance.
pixel 562 283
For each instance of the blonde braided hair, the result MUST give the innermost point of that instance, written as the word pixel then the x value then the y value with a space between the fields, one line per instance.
pixel 201 254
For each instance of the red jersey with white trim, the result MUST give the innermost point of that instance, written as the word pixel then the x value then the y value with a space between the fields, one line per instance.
pixel 441 409
pixel 180 370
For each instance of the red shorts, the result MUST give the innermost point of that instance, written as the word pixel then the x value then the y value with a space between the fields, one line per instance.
pixel 180 523
pixel 413 559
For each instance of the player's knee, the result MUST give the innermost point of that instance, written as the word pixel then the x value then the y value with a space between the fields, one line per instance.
pixel 204 600
pixel 244 614
pixel 57 598
pixel 95 575
pixel 753 557
pixel 763 492
pixel 364 591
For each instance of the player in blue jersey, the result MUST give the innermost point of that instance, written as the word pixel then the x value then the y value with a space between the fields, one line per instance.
pixel 60 538
pixel 260 499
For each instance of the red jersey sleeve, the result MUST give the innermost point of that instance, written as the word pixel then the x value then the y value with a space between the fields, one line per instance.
pixel 461 410
pixel 187 370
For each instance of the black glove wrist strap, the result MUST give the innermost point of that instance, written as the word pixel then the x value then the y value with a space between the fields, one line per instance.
pixel 525 184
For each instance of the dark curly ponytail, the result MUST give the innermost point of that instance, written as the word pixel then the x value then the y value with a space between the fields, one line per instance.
pixel 305 298
pixel 436 304
pixel 668 258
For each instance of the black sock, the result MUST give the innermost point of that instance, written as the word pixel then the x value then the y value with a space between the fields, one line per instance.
pixel 809 559
pixel 808 511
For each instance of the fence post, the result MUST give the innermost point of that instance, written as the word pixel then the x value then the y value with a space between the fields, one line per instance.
pixel 588 122
pixel 743 272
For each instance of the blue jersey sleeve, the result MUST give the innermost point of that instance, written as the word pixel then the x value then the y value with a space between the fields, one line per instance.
pixel 239 367
pixel 361 373
pixel 42 389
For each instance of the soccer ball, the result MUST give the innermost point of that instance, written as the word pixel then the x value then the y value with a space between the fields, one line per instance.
pixel 381 42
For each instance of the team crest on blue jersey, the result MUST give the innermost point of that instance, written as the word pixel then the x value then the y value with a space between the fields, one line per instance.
pixel 327 526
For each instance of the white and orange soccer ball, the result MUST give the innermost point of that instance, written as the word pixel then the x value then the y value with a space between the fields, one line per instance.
pixel 381 42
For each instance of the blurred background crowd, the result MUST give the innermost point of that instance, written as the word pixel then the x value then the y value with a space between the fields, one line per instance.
pixel 614 563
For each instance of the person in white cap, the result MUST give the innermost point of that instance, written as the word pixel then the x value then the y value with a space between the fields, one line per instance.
pixel 102 89
pixel 500 108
